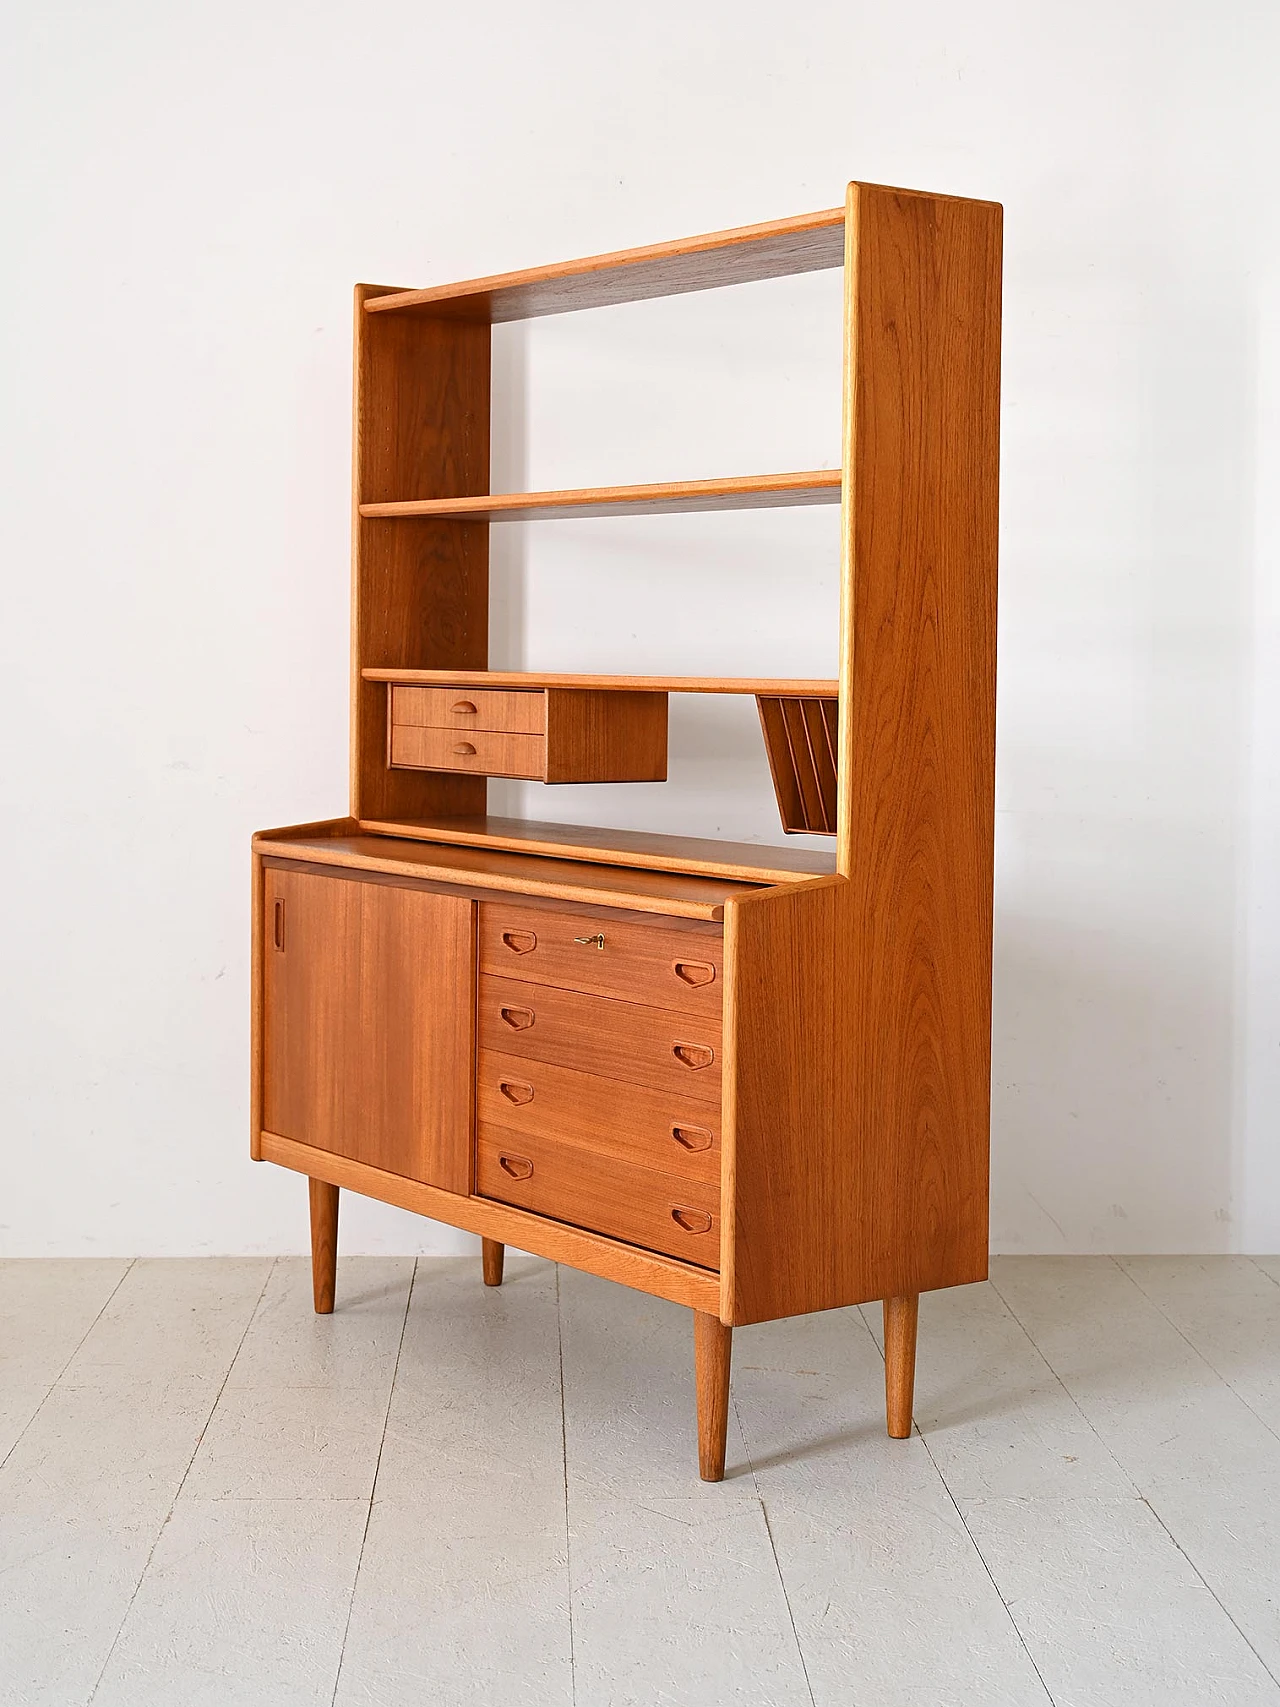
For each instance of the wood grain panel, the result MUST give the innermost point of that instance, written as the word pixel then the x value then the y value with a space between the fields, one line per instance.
pixel 615 1040
pixel 463 707
pixel 646 1271
pixel 653 1129
pixel 857 1022
pixel 637 963
pixel 679 1217
pixel 807 243
pixel 420 591
pixel 664 498
pixel 614 736
pixel 367 1023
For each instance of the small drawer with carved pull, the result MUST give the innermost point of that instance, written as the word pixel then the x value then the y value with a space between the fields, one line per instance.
pixel 661 1129
pixel 614 1040
pixel 659 965
pixel 482 752
pixel 547 734
pixel 587 1188
pixel 509 712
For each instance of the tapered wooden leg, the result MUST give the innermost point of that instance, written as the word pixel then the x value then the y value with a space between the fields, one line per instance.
pixel 324 1243
pixel 712 1343
pixel 491 1254
pixel 900 1316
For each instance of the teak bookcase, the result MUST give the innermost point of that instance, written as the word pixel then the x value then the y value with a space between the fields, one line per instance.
pixel 750 1080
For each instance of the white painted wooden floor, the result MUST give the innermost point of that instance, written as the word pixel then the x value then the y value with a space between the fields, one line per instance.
pixel 443 1494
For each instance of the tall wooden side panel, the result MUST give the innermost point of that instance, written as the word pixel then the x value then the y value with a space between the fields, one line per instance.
pixel 858 1034
pixel 420 596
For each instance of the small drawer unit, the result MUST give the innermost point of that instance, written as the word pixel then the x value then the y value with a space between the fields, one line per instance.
pixel 540 734
pixel 598 1075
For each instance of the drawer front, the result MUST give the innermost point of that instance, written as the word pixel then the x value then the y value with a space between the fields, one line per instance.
pixel 663 968
pixel 613 1040
pixel 680 1218
pixel 653 1129
pixel 478 751
pixel 470 708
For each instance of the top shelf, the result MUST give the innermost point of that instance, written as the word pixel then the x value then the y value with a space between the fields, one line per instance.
pixel 810 243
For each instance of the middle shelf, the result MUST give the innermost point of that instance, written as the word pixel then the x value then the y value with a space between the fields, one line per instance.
pixel 665 498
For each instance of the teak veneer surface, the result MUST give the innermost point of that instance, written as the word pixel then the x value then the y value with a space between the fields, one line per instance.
pixel 681 1283
pixel 745 862
pixel 368 1023
pixel 663 498
pixel 808 243
pixel 478 870
pixel 660 1212
pixel 808 688
pixel 520 713
pixel 632 962
pixel 678 1135
pixel 625 1041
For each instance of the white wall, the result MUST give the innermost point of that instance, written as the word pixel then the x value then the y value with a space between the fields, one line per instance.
pixel 192 190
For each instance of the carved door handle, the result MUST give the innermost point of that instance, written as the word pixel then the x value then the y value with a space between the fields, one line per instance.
pixel 464 749
pixel 695 1055
pixel 692 1220
pixel 520 942
pixel 692 1137
pixel 515 1092
pixel 519 1167
pixel 464 707
pixel 695 972
pixel 519 1019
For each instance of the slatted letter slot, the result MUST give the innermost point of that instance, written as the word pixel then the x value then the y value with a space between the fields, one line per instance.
pixel 800 739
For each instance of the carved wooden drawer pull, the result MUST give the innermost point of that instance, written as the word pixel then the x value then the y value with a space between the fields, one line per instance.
pixel 519 1167
pixel 463 749
pixel 520 942
pixel 694 1055
pixel 519 1019
pixel 464 707
pixel 692 1220
pixel 515 1092
pixel 692 1137
pixel 695 972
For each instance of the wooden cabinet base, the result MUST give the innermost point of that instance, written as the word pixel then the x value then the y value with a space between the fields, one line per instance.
pixel 324 1243
pixel 712 1343
pixel 491 1255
